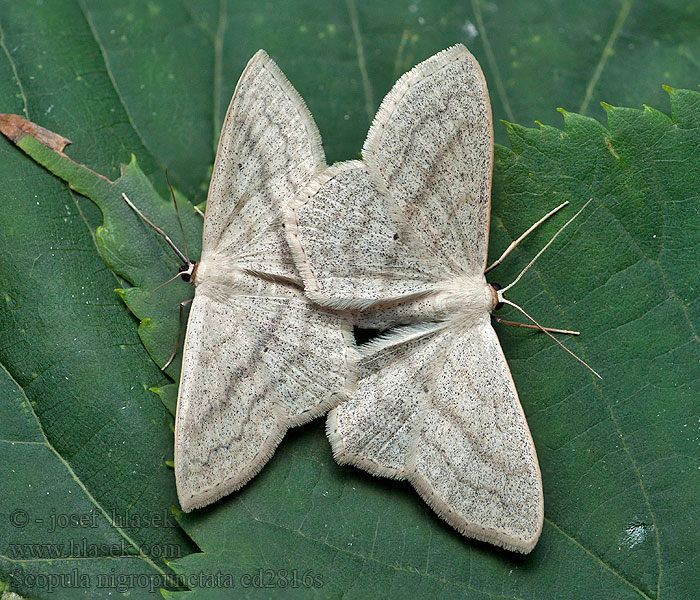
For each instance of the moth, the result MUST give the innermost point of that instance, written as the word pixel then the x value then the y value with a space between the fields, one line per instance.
pixel 401 238
pixel 258 357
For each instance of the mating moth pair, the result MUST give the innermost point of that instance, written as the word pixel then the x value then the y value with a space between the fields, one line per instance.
pixel 295 253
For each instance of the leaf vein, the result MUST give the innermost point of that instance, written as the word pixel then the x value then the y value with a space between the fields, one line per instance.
pixel 113 81
pixel 596 558
pixel 607 52
pixel 366 83
pixel 80 484
pixel 493 63
pixel 14 70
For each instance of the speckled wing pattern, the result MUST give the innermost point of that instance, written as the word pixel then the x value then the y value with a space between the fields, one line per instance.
pixel 258 357
pixel 435 404
pixel 375 253
pixel 269 149
pixel 421 197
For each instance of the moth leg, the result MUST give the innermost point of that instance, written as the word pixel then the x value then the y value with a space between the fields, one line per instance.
pixel 528 326
pixel 179 333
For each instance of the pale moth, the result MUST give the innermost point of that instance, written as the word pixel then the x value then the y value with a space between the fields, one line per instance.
pixel 402 237
pixel 258 356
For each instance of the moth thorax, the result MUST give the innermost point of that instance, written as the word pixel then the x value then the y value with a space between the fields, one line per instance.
pixel 467 296
pixel 200 273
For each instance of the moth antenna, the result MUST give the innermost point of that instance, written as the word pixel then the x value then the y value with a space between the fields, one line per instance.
pixel 187 268
pixel 528 326
pixel 513 245
pixel 543 329
pixel 177 215
pixel 157 229
pixel 198 211
pixel 547 245
pixel 179 333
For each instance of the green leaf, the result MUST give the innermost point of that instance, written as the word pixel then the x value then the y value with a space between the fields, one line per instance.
pixel 143 260
pixel 168 396
pixel 51 518
pixel 153 79
pixel 81 433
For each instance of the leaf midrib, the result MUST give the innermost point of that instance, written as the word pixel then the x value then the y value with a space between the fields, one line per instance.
pixel 141 556
pixel 415 571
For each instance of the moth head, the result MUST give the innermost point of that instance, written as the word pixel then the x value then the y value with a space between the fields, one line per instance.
pixel 187 271
pixel 497 296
